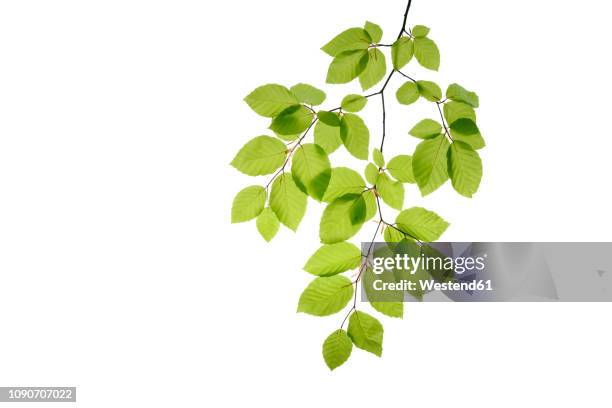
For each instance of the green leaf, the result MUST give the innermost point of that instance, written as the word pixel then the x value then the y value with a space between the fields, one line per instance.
pixel 355 135
pixel 394 235
pixel 429 164
pixel 337 349
pixel 391 309
pixel 343 181
pixel 374 31
pixel 351 39
pixel 400 168
pixel 425 225
pixel 375 70
pixel 420 31
pixel 292 120
pixel 427 53
pixel 336 223
pixel 458 93
pixel 465 168
pixel 458 110
pixel 357 212
pixel 288 138
pixel 371 173
pixel 329 118
pixel 287 201
pixel 267 224
pixel 465 130
pixel 311 170
pixel 326 296
pixel 366 332
pixel 408 93
pixel 429 90
pixel 353 103
pixel 426 129
pixel 308 94
pixel 248 203
pixel 261 155
pixel 270 100
pixel 333 259
pixel 347 66
pixel 392 192
pixel 378 157
pixel 328 137
pixel 401 52
pixel 371 204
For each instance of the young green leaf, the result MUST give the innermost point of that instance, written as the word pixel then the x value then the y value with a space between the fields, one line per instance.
pixel 429 164
pixel 336 223
pixel 429 90
pixel 357 212
pixel 287 201
pixel 425 225
pixel 337 349
pixel 343 181
pixel 355 135
pixel 375 70
pixel 458 93
pixel 311 170
pixel 465 130
pixel 366 332
pixel 465 168
pixel 400 167
pixel 329 118
pixel 352 39
pixel 371 173
pixel 371 204
pixel 391 309
pixel 427 53
pixel 248 203
pixel 267 224
pixel 401 52
pixel 288 138
pixel 326 296
pixel 328 137
pixel 408 93
pixel 347 66
pixel 378 157
pixel 458 110
pixel 392 192
pixel 333 259
pixel 374 31
pixel 308 94
pixel 426 129
pixel 292 120
pixel 353 103
pixel 392 234
pixel 420 31
pixel 270 100
pixel 261 155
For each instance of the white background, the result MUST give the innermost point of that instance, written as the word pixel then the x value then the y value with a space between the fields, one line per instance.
pixel 121 274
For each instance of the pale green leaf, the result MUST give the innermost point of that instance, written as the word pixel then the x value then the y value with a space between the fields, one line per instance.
pixel 458 93
pixel 336 223
pixel 333 259
pixel 270 100
pixel 308 94
pixel 261 155
pixel 355 135
pixel 329 118
pixel 337 349
pixel 326 296
pixel 401 52
pixel 352 39
pixel 375 70
pixel 429 90
pixel 392 192
pixel 267 224
pixel 248 203
pixel 292 120
pixel 347 66
pixel 427 53
pixel 371 204
pixel 465 130
pixel 393 234
pixel 465 168
pixel 400 167
pixel 353 103
pixel 420 31
pixel 374 31
pixel 408 93
pixel 311 170
pixel 371 173
pixel 429 164
pixel 426 129
pixel 288 138
pixel 366 332
pixel 458 110
pixel 378 157
pixel 343 181
pixel 425 225
pixel 328 137
pixel 287 201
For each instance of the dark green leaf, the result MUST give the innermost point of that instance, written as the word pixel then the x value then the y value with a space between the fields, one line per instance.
pixel 329 118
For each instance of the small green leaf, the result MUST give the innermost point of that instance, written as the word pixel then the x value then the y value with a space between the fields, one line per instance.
pixel 465 130
pixel 458 93
pixel 343 181
pixel 248 203
pixel 287 201
pixel 465 168
pixel 347 66
pixel 429 90
pixel 420 31
pixel 425 225
pixel 378 157
pixel 355 135
pixel 427 53
pixel 366 332
pixel 333 259
pixel 336 223
pixel 371 173
pixel 357 212
pixel 429 164
pixel 328 137
pixel 329 118
pixel 337 349
pixel 352 39
pixel 326 296
pixel 401 52
pixel 408 93
pixel 353 103
pixel 426 129
pixel 375 70
pixel 374 31
pixel 458 110
pixel 292 120
pixel 391 309
pixel 261 155
pixel 267 224
pixel 392 192
pixel 311 170
pixel 392 234
pixel 308 94
pixel 270 100
pixel 400 168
